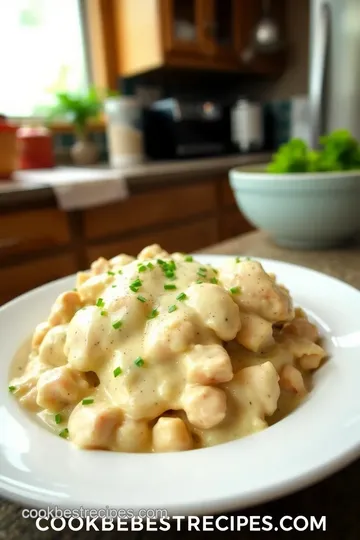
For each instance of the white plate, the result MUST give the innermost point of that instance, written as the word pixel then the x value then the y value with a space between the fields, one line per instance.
pixel 320 437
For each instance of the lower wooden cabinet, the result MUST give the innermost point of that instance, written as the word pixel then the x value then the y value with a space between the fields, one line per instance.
pixel 233 223
pixel 184 238
pixel 18 279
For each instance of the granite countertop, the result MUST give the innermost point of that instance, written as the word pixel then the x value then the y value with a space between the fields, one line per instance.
pixel 337 497
pixel 20 193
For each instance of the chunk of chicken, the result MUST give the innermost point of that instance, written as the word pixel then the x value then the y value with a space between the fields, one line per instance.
pixel 308 354
pixel 60 387
pixel 292 380
pixel 94 426
pixel 128 309
pixel 65 308
pixel 205 406
pixel 208 364
pixel 258 293
pixel 40 332
pixel 28 400
pixel 258 387
pixel 216 309
pixel 302 328
pixel 93 288
pixel 28 381
pixel 256 334
pixel 152 252
pixel 100 266
pixel 119 261
pixel 171 435
pixel 81 277
pixel 51 350
pixel 88 338
pixel 168 336
pixel 309 362
pixel 133 436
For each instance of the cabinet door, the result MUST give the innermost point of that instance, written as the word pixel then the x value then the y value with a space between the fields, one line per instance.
pixel 183 26
pixel 220 29
pixel 247 14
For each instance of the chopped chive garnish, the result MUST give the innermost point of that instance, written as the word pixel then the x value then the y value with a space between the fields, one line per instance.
pixel 172 265
pixel 87 401
pixel 150 265
pixel 160 262
pixel 141 298
pixel 111 273
pixel 153 314
pixel 117 371
pixel 214 280
pixel 181 297
pixel 64 433
pixel 135 285
pixel 248 258
pixel 172 308
pixel 75 289
pixel 113 286
pixel 170 274
pixel 142 268
pixel 58 418
pixel 188 258
pixel 103 313
pixel 202 269
pixel 201 273
pixel 198 282
pixel 120 272
pixel 139 362
pixel 100 302
pixel 169 287
pixel 237 260
pixel 235 290
pixel 215 271
pixel 12 389
pixel 117 325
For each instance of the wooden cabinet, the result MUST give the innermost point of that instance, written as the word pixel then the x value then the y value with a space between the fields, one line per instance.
pixel 184 238
pixel 20 278
pixel 38 246
pixel 204 34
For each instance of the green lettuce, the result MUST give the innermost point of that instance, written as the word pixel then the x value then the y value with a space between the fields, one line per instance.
pixel 339 151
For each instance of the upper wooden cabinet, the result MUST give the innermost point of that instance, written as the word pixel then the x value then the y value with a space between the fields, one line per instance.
pixel 204 34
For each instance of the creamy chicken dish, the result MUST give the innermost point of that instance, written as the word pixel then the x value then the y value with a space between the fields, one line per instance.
pixel 163 353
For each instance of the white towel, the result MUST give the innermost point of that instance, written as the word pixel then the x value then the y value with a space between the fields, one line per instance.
pixel 78 188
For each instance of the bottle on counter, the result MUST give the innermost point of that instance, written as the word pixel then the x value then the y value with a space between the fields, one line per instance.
pixel 8 152
pixel 35 148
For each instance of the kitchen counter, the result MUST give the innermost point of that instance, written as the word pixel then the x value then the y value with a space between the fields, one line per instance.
pixel 337 497
pixel 19 194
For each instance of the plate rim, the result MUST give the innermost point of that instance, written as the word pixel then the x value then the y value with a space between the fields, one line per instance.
pixel 275 491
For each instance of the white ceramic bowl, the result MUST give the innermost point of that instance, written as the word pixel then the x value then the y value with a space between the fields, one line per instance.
pixel 318 438
pixel 301 211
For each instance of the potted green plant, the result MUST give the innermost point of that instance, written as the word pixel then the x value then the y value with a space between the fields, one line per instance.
pixel 79 109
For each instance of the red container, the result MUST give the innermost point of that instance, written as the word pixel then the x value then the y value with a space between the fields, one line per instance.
pixel 8 152
pixel 35 147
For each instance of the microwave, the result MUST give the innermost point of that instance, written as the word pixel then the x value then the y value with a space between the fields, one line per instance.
pixel 175 129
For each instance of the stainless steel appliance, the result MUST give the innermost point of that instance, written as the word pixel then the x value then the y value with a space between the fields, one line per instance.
pixel 175 128
pixel 247 132
pixel 334 67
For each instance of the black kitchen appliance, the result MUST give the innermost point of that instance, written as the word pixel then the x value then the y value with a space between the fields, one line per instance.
pixel 176 128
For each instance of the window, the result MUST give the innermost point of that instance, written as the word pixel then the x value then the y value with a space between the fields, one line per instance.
pixel 42 51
